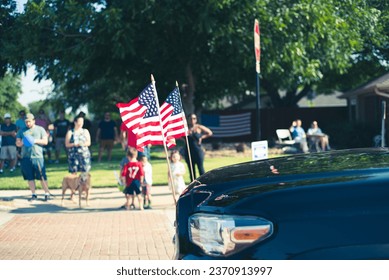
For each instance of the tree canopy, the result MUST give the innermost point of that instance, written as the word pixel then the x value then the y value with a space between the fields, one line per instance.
pixel 9 91
pixel 7 22
pixel 102 52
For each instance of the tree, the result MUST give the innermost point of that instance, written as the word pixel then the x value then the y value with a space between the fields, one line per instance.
pixel 320 40
pixel 371 60
pixel 10 88
pixel 7 21
pixel 102 52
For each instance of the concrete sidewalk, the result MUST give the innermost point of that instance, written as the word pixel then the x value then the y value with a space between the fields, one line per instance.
pixel 47 230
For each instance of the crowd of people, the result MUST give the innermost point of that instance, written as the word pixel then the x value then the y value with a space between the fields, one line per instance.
pixel 27 141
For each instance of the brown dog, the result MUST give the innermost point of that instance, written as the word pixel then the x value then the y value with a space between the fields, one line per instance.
pixel 80 183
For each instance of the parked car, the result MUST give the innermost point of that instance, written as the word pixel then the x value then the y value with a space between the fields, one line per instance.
pixel 331 205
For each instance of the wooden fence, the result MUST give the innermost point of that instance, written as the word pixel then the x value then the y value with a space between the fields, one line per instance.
pixel 274 118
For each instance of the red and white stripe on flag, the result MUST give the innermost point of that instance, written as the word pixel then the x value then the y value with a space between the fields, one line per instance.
pixel 174 128
pixel 257 46
pixel 257 41
pixel 131 113
pixel 173 118
pixel 141 116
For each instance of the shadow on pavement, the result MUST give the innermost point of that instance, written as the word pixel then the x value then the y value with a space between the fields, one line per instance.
pixel 44 209
pixel 101 200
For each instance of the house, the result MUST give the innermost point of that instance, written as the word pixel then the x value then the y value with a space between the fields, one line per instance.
pixel 326 109
pixel 365 103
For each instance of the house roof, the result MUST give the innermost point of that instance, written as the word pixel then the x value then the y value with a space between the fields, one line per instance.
pixel 379 86
pixel 320 100
pixel 323 100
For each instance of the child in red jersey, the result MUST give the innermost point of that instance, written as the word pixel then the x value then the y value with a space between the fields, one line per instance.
pixel 132 176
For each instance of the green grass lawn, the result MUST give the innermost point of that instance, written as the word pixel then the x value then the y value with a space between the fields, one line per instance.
pixel 103 173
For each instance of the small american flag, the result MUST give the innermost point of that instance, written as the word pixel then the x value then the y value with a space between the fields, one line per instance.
pixel 141 116
pixel 173 119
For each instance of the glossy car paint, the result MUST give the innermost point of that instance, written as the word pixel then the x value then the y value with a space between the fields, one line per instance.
pixel 332 205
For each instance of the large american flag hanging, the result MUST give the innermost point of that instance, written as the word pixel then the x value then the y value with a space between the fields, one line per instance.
pixel 173 119
pixel 141 116
pixel 232 125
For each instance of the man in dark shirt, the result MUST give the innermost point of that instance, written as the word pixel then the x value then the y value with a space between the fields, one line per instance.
pixel 8 144
pixel 61 127
pixel 106 135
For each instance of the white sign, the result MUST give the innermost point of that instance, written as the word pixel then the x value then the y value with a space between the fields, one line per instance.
pixel 259 150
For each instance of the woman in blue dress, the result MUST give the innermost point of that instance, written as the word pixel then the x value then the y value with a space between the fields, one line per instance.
pixel 77 141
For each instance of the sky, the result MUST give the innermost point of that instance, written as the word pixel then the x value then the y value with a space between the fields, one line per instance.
pixel 33 90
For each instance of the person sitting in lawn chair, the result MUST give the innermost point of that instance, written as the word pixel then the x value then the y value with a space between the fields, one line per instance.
pixel 298 135
pixel 318 139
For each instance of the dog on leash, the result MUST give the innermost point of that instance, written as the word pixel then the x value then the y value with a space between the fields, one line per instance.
pixel 80 183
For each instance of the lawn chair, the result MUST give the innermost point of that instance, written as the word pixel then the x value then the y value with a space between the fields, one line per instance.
pixel 285 141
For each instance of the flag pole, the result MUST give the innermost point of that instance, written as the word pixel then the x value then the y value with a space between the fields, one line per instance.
pixel 164 142
pixel 186 135
pixel 257 48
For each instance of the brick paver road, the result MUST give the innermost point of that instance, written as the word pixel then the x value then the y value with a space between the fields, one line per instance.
pixel 47 230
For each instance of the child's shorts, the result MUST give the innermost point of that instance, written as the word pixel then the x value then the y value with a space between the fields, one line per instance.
pixel 146 190
pixel 133 188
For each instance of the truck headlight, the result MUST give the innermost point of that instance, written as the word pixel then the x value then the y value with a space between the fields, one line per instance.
pixel 221 235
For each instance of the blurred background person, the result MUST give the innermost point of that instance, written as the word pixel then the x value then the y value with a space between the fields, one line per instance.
pixel 43 120
pixel 299 136
pixel 20 121
pixel 61 127
pixel 318 137
pixel 77 141
pixel 8 144
pixel 106 136
pixel 32 139
pixel 20 124
pixel 196 134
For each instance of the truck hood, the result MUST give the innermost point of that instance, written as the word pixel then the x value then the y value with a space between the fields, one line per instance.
pixel 225 186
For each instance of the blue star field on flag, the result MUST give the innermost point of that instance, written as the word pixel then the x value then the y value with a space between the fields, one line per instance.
pixel 174 100
pixel 146 98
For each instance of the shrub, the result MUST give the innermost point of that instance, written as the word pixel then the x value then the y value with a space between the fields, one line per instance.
pixel 346 135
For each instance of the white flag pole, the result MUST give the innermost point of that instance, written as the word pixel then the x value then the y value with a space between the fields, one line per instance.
pixel 164 142
pixel 186 134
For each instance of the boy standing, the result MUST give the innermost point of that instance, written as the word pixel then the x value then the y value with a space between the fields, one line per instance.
pixel 133 176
